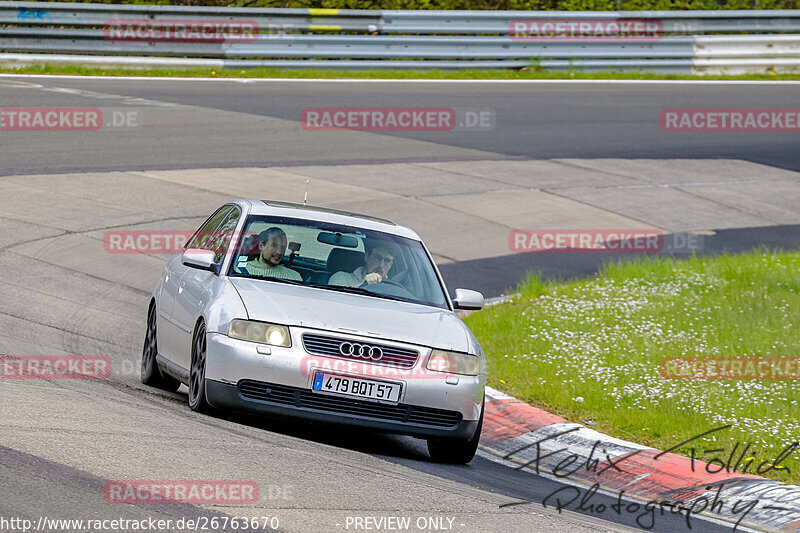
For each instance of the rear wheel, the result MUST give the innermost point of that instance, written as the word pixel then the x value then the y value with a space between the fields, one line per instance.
pixel 456 451
pixel 151 375
pixel 197 372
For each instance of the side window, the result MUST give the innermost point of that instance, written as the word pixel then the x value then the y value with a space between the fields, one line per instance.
pixel 203 235
pixel 221 238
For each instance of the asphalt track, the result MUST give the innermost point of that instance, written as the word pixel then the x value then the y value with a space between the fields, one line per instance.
pixel 532 120
pixel 498 275
pixel 60 441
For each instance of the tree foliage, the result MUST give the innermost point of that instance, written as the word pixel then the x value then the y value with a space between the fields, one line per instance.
pixel 491 5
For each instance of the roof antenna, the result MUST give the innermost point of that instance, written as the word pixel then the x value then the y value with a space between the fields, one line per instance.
pixel 305 198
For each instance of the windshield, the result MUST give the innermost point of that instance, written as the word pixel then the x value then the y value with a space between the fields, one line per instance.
pixel 337 258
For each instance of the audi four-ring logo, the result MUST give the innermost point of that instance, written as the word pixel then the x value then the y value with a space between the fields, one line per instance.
pixel 353 349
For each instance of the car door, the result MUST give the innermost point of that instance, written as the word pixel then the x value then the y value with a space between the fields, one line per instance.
pixel 169 332
pixel 196 286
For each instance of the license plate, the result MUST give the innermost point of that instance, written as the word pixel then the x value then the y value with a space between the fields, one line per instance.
pixel 361 388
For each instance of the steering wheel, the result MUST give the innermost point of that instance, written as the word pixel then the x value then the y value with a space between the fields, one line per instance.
pixel 393 282
pixel 391 287
pixel 400 276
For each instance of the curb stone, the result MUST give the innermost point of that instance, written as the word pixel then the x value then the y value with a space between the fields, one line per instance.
pixel 527 438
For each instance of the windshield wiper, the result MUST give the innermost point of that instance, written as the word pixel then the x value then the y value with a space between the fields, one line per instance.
pixel 340 288
pixel 357 290
pixel 271 278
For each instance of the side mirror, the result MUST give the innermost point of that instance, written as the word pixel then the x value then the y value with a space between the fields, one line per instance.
pixel 468 300
pixel 201 259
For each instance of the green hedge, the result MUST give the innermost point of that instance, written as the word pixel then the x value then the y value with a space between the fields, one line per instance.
pixel 527 5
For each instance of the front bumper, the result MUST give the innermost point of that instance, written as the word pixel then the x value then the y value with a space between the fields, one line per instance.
pixel 279 383
pixel 272 399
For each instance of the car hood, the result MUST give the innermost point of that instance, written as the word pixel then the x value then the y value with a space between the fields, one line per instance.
pixel 317 308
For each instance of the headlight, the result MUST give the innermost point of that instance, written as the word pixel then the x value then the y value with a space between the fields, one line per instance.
pixel 454 363
pixel 263 332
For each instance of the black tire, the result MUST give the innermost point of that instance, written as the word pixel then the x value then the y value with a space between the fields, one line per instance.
pixel 456 451
pixel 151 375
pixel 197 373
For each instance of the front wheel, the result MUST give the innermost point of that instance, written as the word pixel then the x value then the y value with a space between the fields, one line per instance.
pixel 150 374
pixel 456 451
pixel 197 373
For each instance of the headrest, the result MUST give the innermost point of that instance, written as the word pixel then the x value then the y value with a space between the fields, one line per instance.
pixel 341 259
pixel 250 245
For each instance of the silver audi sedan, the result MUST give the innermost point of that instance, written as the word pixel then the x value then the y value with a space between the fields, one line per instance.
pixel 322 315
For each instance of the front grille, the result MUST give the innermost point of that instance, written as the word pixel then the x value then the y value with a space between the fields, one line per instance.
pixel 304 398
pixel 392 355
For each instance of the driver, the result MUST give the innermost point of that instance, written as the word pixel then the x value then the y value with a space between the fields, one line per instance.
pixel 378 260
pixel 271 247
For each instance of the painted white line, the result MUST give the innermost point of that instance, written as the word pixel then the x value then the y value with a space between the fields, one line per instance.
pixel 19 84
pixel 127 100
pixel 494 394
pixel 389 80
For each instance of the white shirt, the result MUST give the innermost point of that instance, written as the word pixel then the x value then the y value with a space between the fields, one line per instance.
pixel 349 279
pixel 255 268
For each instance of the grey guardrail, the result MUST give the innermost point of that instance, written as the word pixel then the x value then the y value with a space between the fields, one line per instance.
pixel 395 21
pixel 40 40
pixel 97 15
pixel 673 22
pixel 667 66
pixel 71 33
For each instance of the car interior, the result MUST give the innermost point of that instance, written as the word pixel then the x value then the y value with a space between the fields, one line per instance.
pixel 312 270
pixel 316 254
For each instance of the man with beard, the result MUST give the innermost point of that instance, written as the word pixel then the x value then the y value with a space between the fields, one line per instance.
pixel 271 247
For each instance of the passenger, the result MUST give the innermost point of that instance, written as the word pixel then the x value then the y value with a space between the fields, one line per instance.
pixel 271 247
pixel 378 261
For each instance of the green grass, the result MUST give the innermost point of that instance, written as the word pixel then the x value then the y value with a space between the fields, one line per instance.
pixel 530 74
pixel 603 338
